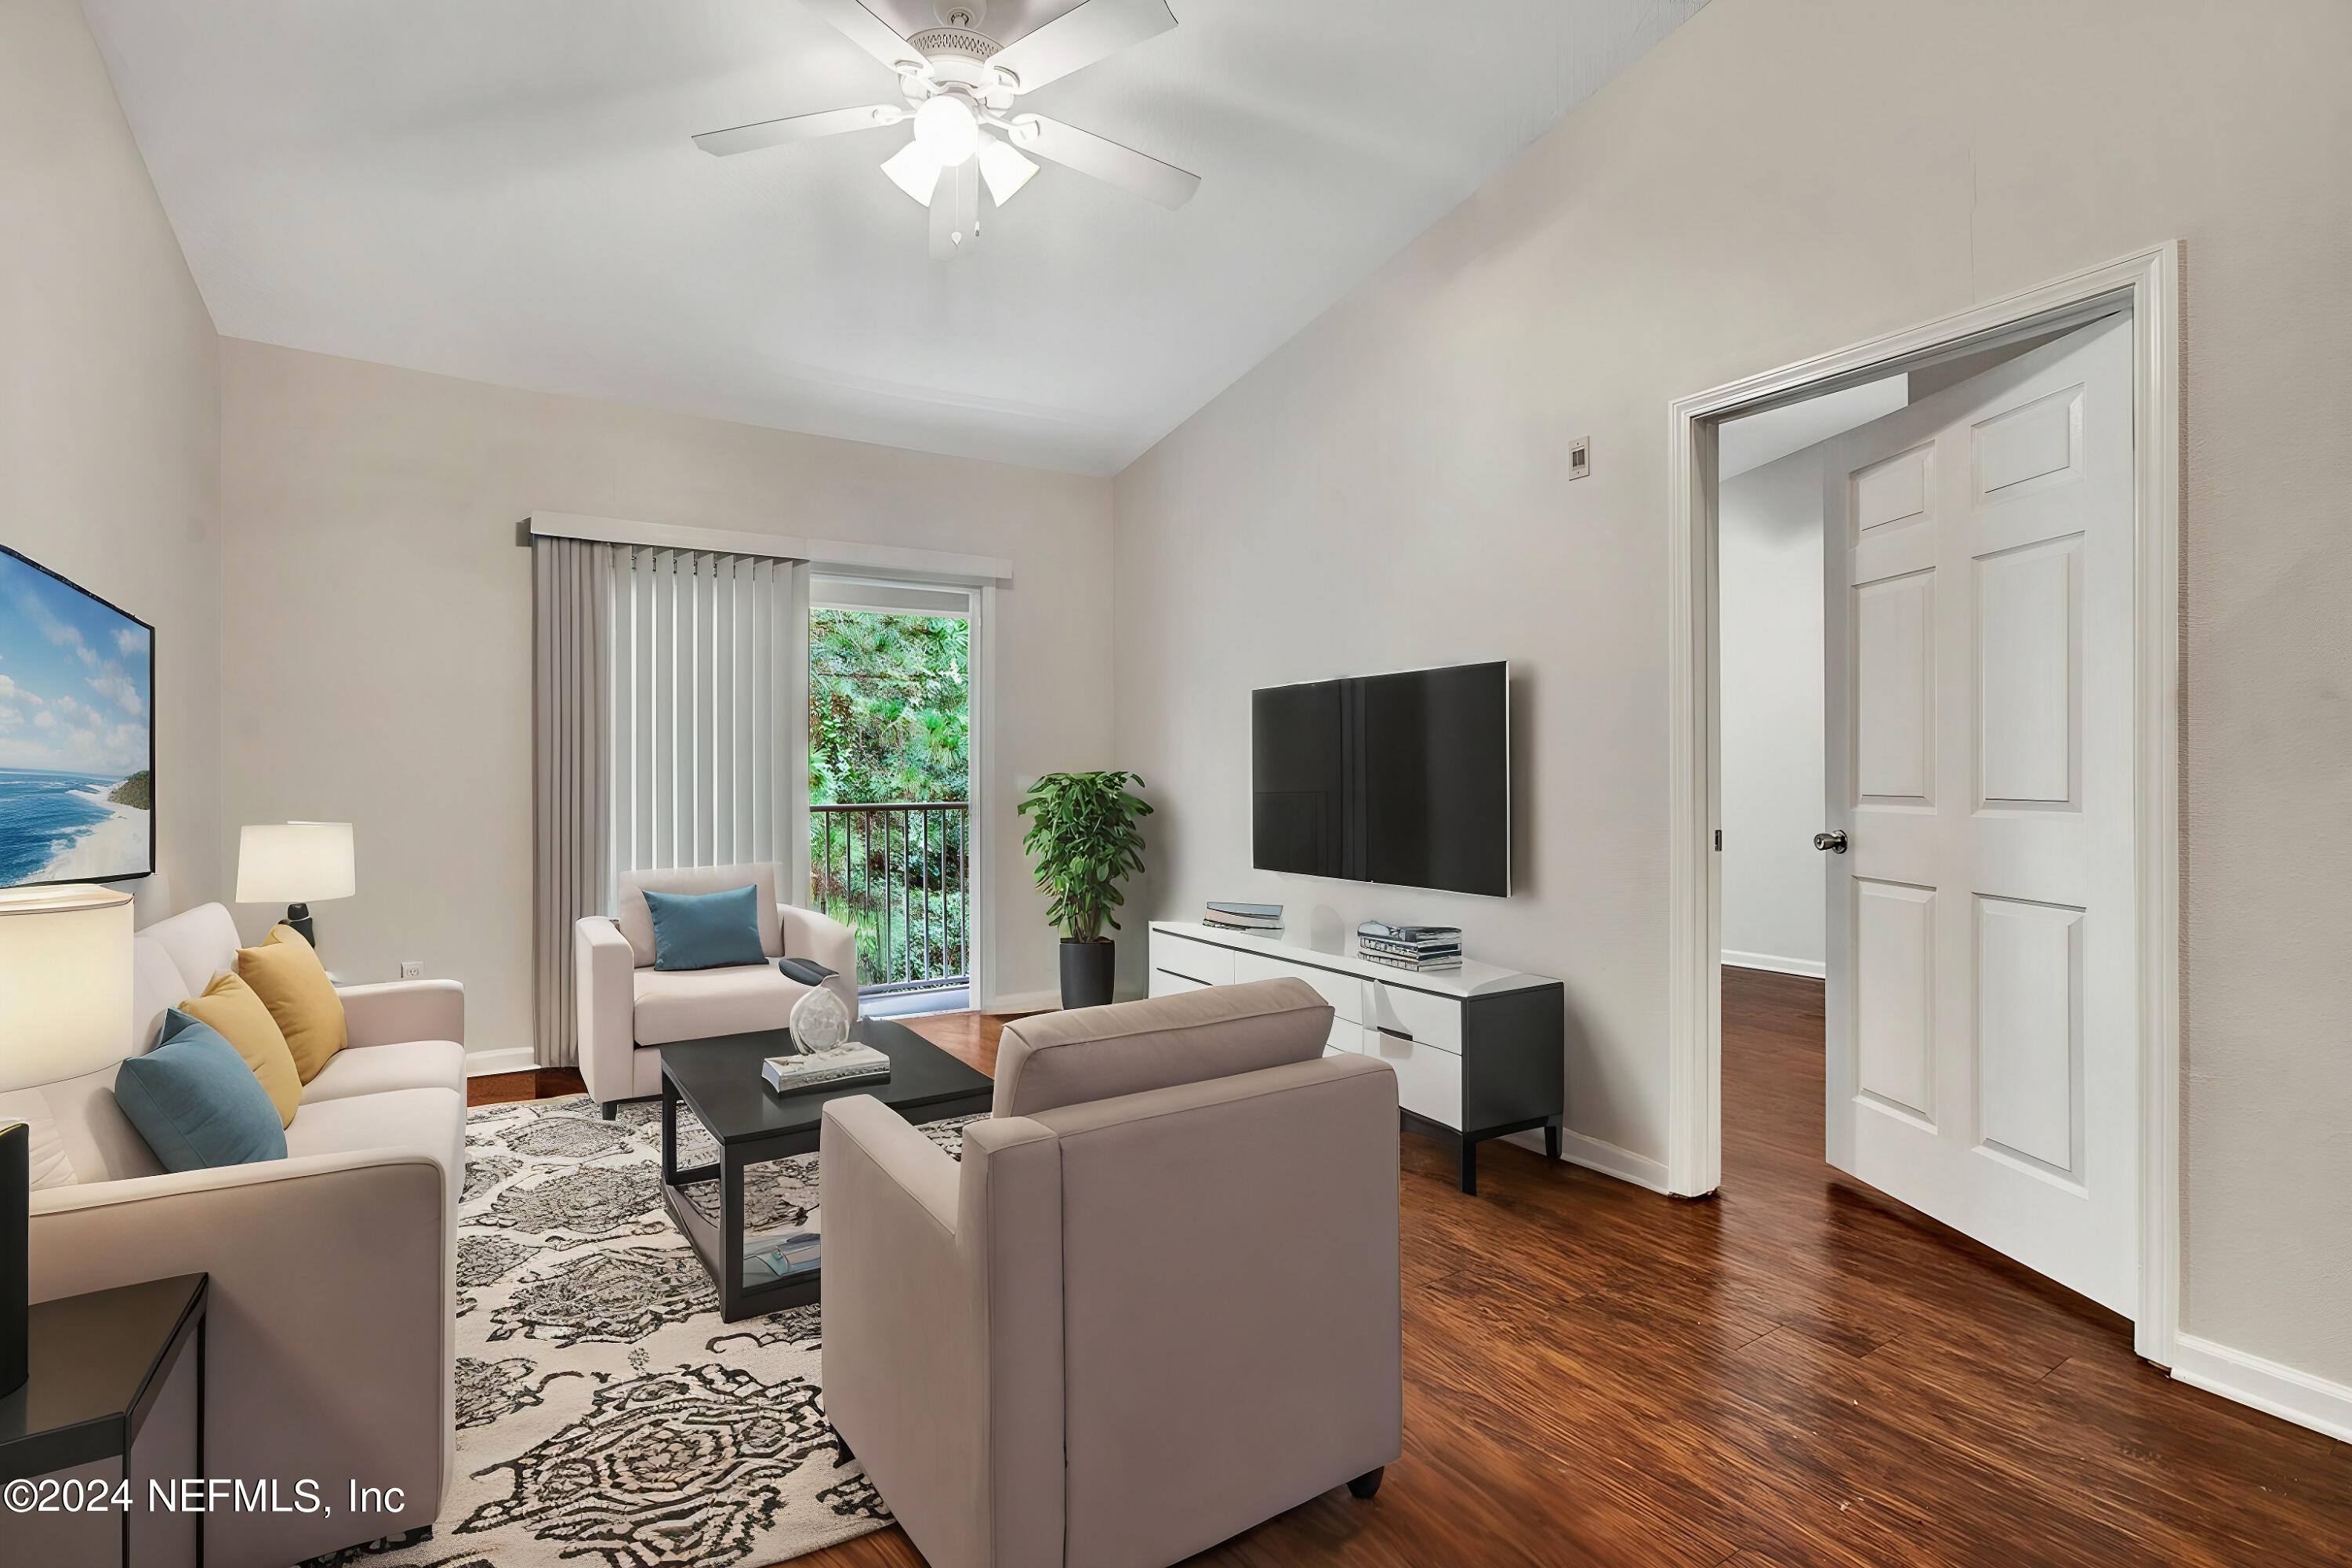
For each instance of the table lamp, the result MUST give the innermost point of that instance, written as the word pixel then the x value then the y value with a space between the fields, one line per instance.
pixel 298 863
pixel 65 1010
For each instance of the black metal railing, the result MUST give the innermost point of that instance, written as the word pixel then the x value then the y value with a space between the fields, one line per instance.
pixel 898 874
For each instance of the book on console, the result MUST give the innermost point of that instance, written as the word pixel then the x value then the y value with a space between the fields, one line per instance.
pixel 839 1068
pixel 1271 913
pixel 1416 966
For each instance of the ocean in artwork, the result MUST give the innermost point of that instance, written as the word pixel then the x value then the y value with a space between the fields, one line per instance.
pixel 57 826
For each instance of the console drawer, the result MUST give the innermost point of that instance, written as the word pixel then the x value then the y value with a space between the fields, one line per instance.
pixel 1428 1082
pixel 1429 1020
pixel 1345 1037
pixel 1164 983
pixel 1344 992
pixel 1195 960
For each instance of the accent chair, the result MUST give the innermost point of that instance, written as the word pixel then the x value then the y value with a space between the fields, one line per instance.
pixel 628 1008
pixel 1156 1303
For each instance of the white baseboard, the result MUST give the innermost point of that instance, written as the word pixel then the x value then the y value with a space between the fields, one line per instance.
pixel 513 1059
pixel 2280 1391
pixel 1600 1154
pixel 1810 968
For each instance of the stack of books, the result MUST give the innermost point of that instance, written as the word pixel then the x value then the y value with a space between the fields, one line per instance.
pixel 836 1069
pixel 1409 947
pixel 1258 920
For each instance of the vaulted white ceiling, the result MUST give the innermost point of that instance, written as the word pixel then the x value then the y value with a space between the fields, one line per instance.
pixel 504 190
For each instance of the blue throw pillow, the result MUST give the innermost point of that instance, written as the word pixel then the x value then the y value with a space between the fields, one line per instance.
pixel 704 930
pixel 196 1102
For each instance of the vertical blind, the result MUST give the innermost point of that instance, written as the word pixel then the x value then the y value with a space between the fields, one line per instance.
pixel 571 873
pixel 703 649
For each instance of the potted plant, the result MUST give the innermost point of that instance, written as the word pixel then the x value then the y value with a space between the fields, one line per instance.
pixel 1084 838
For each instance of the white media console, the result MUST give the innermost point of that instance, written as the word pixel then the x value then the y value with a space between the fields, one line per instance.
pixel 1476 1049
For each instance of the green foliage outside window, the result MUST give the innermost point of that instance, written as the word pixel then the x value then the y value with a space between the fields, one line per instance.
pixel 890 721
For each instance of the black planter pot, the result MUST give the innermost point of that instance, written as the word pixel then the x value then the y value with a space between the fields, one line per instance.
pixel 1087 968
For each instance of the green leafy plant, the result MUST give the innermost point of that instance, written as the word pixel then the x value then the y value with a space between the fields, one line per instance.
pixel 1084 837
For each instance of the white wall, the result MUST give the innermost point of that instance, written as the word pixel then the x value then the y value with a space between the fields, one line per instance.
pixel 1777 178
pixel 109 429
pixel 1769 528
pixel 376 627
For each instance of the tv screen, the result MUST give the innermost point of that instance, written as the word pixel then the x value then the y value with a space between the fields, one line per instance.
pixel 1386 778
pixel 77 733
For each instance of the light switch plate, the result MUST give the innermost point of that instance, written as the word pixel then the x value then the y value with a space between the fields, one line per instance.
pixel 1579 457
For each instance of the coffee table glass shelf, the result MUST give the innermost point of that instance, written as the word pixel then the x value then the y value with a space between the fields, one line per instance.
pixel 718 1081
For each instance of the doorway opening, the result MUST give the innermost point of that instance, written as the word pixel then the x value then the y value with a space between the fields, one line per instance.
pixel 1958 666
pixel 891 722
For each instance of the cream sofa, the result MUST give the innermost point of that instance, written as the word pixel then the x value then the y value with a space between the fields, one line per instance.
pixel 330 1333
pixel 1155 1304
pixel 628 1008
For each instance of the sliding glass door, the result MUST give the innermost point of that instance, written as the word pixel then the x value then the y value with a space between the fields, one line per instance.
pixel 890 731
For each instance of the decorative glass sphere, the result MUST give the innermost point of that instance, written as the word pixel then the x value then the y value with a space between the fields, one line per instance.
pixel 948 129
pixel 820 1022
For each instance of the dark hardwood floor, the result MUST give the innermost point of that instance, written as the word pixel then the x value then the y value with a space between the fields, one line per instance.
pixel 1794 1373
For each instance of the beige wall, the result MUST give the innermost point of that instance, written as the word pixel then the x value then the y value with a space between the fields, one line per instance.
pixel 1778 178
pixel 110 427
pixel 376 627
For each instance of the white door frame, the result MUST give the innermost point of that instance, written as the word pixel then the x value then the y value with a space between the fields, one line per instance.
pixel 2149 282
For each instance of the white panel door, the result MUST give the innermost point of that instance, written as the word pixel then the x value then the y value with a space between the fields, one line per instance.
pixel 1983 1023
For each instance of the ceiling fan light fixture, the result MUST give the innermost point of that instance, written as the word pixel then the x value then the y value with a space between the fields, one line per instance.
pixel 947 128
pixel 1004 170
pixel 914 170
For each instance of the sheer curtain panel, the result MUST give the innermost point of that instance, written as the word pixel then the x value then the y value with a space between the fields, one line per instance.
pixel 572 872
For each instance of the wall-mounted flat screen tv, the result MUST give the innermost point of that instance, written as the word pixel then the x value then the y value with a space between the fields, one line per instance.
pixel 77 733
pixel 1386 778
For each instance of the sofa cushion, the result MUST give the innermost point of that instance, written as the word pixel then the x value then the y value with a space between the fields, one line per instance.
pixel 202 943
pixel 691 1005
pixel 44 1152
pixel 231 1009
pixel 1096 1053
pixel 375 1069
pixel 636 922
pixel 704 930
pixel 429 1120
pixel 156 987
pixel 286 973
pixel 99 1139
pixel 196 1103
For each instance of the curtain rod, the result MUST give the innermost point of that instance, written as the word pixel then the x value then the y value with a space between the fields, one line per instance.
pixel 873 560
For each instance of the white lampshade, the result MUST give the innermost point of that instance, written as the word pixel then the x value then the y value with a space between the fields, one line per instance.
pixel 65 982
pixel 295 863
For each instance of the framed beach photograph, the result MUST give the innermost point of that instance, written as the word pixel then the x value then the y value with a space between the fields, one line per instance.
pixel 77 733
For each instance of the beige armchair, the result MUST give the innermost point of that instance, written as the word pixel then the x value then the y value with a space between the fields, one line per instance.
pixel 1155 1304
pixel 628 1008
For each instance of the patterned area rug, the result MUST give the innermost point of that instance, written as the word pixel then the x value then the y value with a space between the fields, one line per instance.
pixel 606 1417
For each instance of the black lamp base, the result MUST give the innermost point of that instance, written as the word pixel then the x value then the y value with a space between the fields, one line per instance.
pixel 16 1235
pixel 299 917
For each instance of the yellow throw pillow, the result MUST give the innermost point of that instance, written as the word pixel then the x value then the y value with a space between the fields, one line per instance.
pixel 293 985
pixel 231 1010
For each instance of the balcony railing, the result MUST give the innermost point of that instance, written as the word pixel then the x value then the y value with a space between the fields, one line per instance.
pixel 898 875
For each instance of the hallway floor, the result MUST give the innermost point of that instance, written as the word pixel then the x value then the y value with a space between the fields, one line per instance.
pixel 1793 1373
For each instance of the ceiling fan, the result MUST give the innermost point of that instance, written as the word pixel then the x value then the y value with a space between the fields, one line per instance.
pixel 960 87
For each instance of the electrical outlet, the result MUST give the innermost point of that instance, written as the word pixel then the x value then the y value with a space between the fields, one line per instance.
pixel 1580 457
pixel 412 969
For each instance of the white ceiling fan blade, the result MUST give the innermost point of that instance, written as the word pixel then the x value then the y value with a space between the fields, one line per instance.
pixel 867 31
pixel 955 211
pixel 1079 37
pixel 798 128
pixel 1107 161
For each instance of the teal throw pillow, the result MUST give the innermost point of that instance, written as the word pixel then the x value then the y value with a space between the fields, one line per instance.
pixel 196 1102
pixel 706 931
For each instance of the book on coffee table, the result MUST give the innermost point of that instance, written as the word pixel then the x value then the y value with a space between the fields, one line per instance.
pixel 836 1069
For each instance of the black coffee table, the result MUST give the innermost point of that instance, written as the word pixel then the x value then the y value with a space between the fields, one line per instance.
pixel 718 1081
